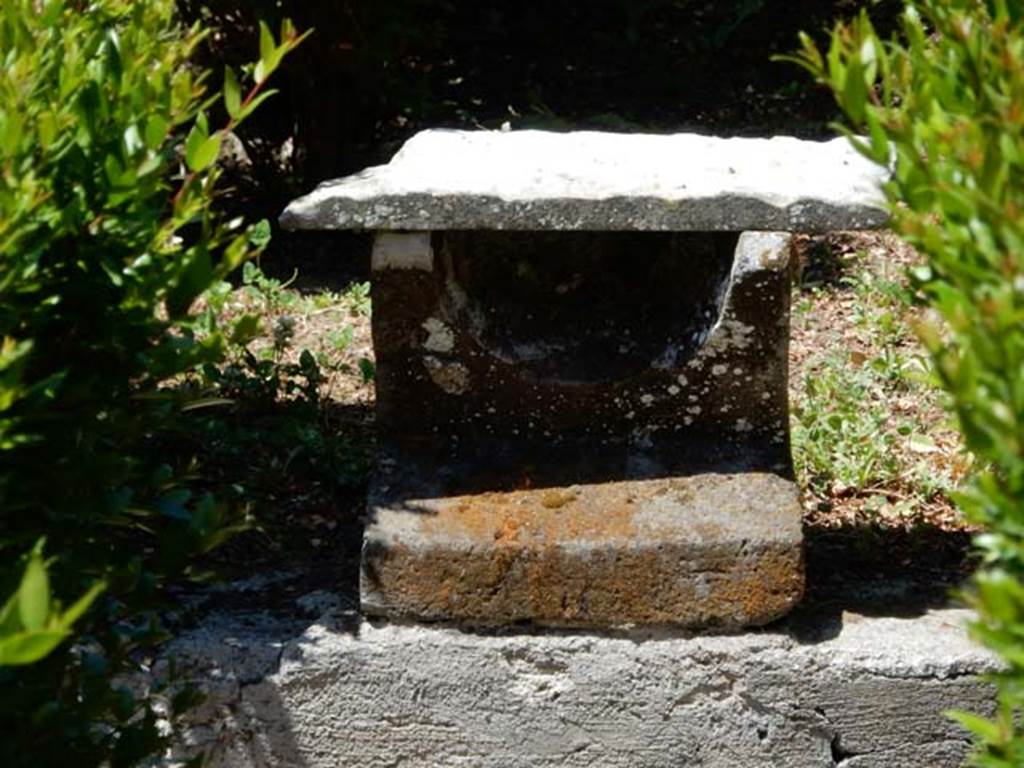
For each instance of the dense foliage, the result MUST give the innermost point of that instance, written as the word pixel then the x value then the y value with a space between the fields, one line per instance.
pixel 944 104
pixel 107 239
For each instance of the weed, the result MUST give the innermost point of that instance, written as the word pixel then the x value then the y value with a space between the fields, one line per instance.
pixel 866 417
pixel 273 293
pixel 277 430
pixel 341 339
pixel 357 297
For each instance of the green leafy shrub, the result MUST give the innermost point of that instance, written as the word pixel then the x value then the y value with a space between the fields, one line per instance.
pixel 944 104
pixel 107 239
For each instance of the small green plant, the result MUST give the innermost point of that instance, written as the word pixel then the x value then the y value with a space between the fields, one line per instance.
pixel 273 426
pixel 851 438
pixel 341 339
pixel 275 429
pixel 358 299
pixel 841 438
pixel 273 293
pixel 943 105
pixel 108 242
pixel 32 623
pixel 367 368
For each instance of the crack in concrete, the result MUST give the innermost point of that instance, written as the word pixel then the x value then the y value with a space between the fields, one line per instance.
pixel 840 755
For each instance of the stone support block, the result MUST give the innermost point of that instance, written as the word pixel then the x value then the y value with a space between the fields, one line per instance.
pixel 842 691
pixel 605 442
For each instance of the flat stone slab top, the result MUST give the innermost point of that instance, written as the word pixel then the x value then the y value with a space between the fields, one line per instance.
pixel 587 180
pixel 708 550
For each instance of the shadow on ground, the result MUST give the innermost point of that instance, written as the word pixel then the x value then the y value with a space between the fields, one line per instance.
pixel 869 570
pixel 876 570
pixel 319 261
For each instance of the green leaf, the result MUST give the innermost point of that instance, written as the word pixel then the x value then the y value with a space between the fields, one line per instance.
pixel 253 105
pixel 367 369
pixel 342 339
pixel 81 605
pixel 195 139
pixel 204 154
pixel 112 55
pixel 156 130
pixel 51 13
pixel 988 730
pixel 245 330
pixel 234 255
pixel 114 170
pixel 270 54
pixel 195 277
pixel 132 140
pixel 232 94
pixel 89 106
pixel 9 620
pixel 47 126
pixel 172 504
pixel 854 91
pixel 250 273
pixel 868 58
pixel 811 54
pixel 28 647
pixel 267 45
pixel 879 141
pixel 287 31
pixel 11 131
pixel 260 234
pixel 34 595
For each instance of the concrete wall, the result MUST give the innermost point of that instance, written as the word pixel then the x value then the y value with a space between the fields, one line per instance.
pixel 822 689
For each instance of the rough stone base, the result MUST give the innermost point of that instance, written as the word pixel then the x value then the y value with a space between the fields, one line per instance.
pixel 709 550
pixel 847 690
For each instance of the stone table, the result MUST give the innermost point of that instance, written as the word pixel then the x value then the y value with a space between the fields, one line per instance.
pixel 581 345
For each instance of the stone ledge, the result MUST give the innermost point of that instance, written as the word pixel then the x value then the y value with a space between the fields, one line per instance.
pixel 585 180
pixel 847 690
pixel 708 550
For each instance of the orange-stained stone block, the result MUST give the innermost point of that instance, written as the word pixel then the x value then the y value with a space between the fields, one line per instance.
pixel 709 550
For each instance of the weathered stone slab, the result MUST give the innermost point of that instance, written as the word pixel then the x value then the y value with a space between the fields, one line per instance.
pixel 536 180
pixel 710 550
pixel 831 691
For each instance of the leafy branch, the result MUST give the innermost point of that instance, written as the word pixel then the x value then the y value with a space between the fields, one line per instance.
pixel 202 148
